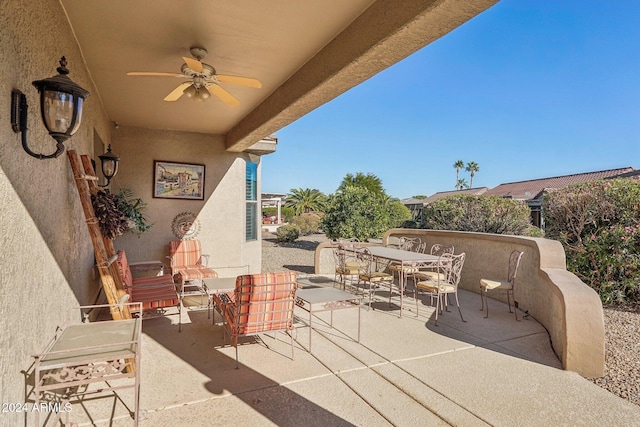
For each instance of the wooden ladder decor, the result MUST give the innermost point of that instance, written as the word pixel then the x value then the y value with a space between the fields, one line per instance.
pixel 86 182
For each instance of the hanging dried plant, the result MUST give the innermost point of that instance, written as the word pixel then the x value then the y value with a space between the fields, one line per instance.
pixel 132 208
pixel 112 221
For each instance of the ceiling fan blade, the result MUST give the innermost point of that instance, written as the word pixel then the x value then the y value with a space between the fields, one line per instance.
pixel 225 96
pixel 194 64
pixel 177 92
pixel 243 81
pixel 145 73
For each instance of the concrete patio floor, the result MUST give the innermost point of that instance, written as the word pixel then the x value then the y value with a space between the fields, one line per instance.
pixel 404 372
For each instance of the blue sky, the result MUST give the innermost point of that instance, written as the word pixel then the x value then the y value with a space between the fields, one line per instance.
pixel 528 89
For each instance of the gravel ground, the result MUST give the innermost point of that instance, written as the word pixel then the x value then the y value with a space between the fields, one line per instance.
pixel 622 324
pixel 622 367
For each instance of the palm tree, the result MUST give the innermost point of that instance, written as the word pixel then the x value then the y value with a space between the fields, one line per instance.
pixel 368 181
pixel 459 164
pixel 462 184
pixel 306 200
pixel 472 168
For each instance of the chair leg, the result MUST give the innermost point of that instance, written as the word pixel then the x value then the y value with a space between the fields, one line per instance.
pixel 372 293
pixel 291 337
pixel 446 302
pixel 484 301
pixel 459 310
pixel 181 298
pixel 438 308
pixel 235 344
pixel 515 310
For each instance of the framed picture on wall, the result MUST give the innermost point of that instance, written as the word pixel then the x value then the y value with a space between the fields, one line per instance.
pixel 175 180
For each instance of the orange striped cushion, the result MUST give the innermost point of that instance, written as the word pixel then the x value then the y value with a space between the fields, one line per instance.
pixel 195 273
pixel 184 253
pixel 260 302
pixel 124 270
pixel 152 292
pixel 156 296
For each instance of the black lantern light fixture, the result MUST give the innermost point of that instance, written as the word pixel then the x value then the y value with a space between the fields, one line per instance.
pixel 109 163
pixel 61 102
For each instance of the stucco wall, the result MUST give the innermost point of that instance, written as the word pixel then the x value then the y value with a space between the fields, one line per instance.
pixel 47 260
pixel 569 310
pixel 221 213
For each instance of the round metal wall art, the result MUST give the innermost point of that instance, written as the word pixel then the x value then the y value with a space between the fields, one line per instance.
pixel 185 226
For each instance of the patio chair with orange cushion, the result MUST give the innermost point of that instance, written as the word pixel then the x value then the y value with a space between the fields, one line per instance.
pixel 188 267
pixel 260 303
pixel 154 292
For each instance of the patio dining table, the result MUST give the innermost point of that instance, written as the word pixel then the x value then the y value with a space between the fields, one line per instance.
pixel 405 259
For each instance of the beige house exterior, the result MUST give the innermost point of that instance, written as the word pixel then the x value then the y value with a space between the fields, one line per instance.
pixel 47 258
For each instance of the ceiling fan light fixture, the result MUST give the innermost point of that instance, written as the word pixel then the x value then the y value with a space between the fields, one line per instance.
pixel 204 93
pixel 191 92
pixel 202 80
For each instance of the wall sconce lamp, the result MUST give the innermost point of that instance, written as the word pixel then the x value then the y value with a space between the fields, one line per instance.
pixel 60 105
pixel 109 165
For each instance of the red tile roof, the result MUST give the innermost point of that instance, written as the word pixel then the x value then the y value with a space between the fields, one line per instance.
pixel 532 189
pixel 473 191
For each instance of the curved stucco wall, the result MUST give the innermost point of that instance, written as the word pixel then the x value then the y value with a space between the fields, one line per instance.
pixel 569 310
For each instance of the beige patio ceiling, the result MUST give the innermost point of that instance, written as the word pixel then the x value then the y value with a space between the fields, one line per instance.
pixel 305 53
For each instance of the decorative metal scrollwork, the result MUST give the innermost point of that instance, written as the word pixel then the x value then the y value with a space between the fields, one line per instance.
pixel 84 372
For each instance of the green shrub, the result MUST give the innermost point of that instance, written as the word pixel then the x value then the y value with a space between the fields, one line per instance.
pixel 309 223
pixel 356 212
pixel 485 214
pixel 598 223
pixel 534 231
pixel 398 214
pixel 287 233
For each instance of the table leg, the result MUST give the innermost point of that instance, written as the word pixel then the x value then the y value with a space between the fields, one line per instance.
pixel 401 284
pixel 359 321
pixel 310 329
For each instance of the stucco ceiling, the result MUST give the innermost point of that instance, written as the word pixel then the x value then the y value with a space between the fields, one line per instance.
pixel 304 53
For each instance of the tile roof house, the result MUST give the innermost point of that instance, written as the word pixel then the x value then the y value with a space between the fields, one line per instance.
pixel 533 190
pixel 415 206
pixel 439 195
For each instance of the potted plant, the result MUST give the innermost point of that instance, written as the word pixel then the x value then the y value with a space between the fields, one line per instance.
pixel 132 208
pixel 117 213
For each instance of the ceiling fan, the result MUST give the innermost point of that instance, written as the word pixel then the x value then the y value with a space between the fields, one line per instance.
pixel 203 80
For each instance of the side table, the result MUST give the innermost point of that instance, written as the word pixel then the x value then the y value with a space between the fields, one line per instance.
pixel 218 285
pixel 86 353
pixel 315 300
